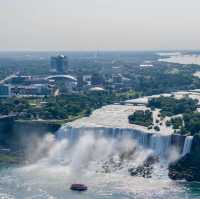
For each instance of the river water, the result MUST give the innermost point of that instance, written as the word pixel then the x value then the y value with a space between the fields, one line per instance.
pixel 94 162
pixel 182 58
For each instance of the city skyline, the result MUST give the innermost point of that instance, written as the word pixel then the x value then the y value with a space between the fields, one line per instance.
pixel 99 24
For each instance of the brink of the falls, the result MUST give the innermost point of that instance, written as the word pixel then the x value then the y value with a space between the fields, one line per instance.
pixel 112 121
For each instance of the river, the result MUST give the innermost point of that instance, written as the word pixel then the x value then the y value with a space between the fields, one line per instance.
pixel 98 151
pixel 88 161
pixel 181 58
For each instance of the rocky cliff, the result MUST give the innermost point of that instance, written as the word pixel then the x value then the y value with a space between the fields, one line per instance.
pixel 188 167
pixel 15 134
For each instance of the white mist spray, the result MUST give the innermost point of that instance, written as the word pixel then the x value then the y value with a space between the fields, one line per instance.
pixel 88 154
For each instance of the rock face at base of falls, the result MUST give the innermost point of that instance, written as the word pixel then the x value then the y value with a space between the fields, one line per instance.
pixel 188 167
pixel 145 170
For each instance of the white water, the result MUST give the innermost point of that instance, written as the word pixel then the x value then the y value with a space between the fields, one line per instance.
pixel 160 144
pixel 93 160
pixel 187 145
pixel 92 157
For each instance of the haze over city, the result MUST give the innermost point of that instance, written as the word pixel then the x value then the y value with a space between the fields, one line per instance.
pixel 99 24
pixel 100 97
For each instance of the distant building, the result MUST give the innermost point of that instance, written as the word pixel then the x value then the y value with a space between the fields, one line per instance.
pixel 59 64
pixel 26 80
pixel 35 90
pixel 64 82
pixel 146 65
pixel 97 89
pixel 4 90
pixel 87 78
pixel 83 81
pixel 117 78
pixel 97 80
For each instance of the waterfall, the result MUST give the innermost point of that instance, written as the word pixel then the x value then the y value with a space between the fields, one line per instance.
pixel 187 145
pixel 158 143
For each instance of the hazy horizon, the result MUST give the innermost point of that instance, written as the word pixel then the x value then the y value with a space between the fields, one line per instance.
pixel 105 25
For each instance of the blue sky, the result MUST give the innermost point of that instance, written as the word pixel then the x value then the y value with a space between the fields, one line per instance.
pixel 99 24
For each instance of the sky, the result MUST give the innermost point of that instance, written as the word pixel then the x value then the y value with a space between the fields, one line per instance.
pixel 99 24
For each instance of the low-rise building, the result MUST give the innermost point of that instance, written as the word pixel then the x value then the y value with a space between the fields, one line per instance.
pixel 37 90
pixel 87 79
pixel 63 82
pixel 4 90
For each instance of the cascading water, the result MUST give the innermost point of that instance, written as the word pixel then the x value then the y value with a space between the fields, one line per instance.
pixel 160 144
pixel 99 158
pixel 187 145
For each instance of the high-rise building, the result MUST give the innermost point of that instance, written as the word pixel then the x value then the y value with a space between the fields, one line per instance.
pixel 59 64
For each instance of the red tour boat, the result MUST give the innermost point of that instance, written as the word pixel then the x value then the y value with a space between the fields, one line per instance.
pixel 78 187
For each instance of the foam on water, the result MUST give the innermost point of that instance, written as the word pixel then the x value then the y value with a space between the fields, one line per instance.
pixel 94 161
